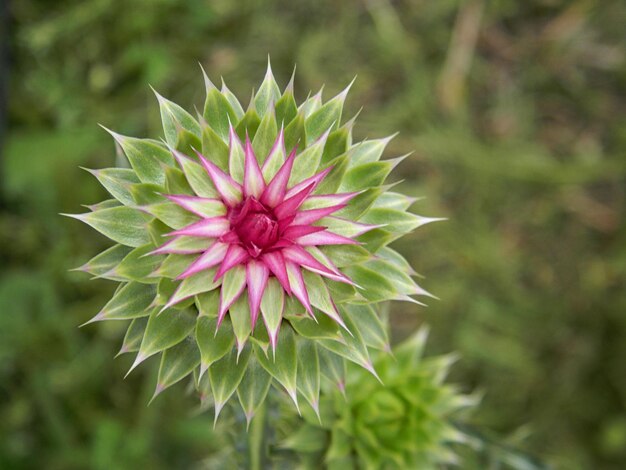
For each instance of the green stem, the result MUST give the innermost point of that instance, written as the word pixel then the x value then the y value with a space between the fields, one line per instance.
pixel 256 438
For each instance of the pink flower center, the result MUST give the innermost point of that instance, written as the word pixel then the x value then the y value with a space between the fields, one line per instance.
pixel 255 225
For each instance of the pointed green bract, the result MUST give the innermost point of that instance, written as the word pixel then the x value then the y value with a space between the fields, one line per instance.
pixel 134 335
pixel 226 374
pixel 214 146
pixel 308 161
pixel 131 301
pixel 218 112
pixel 272 305
pixel 117 181
pixel 213 343
pixel 198 178
pixel 265 136
pixel 121 224
pixel 174 118
pixel 171 214
pixel 177 363
pixel 105 261
pixel 240 318
pixel 327 115
pixel 253 388
pixel 268 93
pixel 284 366
pixel 194 285
pixel 137 266
pixel 164 330
pixel 146 157
pixel 308 380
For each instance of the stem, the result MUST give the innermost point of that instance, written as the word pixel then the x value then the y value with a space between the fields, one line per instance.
pixel 256 438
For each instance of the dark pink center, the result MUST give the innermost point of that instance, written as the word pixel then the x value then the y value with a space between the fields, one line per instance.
pixel 254 224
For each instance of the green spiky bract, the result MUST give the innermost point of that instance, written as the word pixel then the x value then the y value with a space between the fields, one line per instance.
pixel 405 423
pixel 298 345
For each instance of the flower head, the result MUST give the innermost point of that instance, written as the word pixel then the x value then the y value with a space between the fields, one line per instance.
pixel 259 227
pixel 406 423
pixel 271 214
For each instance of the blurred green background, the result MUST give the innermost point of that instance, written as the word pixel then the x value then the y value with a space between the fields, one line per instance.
pixel 516 112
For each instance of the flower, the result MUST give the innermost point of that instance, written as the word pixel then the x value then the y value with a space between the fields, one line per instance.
pixel 260 228
pixel 219 226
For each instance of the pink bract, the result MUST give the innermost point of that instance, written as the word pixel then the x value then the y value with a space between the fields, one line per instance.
pixel 264 229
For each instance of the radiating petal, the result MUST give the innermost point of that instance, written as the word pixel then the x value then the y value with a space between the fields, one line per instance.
pixel 257 275
pixel 325 238
pixel 300 256
pixel 253 182
pixel 211 257
pixel 291 205
pixel 234 255
pixel 274 193
pixel 315 179
pixel 313 215
pixel 327 200
pixel 229 189
pixel 211 227
pixel 202 206
pixel 297 285
pixel 229 237
pixel 276 263
pixel 295 232
pixel 325 260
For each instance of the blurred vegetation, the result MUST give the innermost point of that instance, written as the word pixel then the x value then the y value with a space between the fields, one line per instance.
pixel 517 115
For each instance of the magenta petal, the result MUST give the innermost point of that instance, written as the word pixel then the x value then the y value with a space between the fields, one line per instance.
pixel 211 257
pixel 313 215
pixel 211 227
pixel 329 264
pixel 297 231
pixel 276 263
pixel 284 243
pixel 257 275
pixel 285 222
pixel 315 180
pixel 325 238
pixel 234 255
pixel 300 256
pixel 253 182
pixel 229 237
pixel 229 189
pixel 289 206
pixel 297 285
pixel 326 200
pixel 274 193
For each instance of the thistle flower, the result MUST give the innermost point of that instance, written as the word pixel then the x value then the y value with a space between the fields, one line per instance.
pixel 271 214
